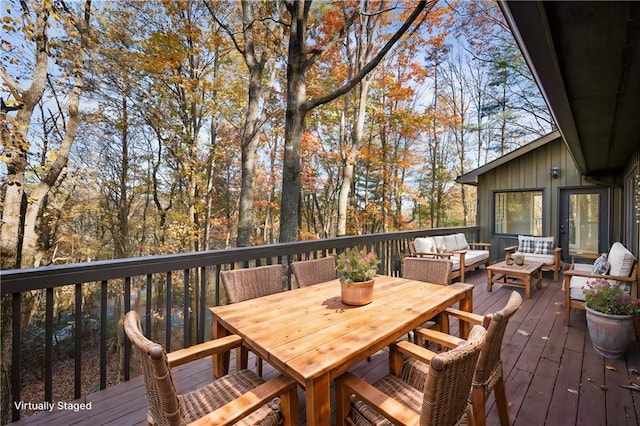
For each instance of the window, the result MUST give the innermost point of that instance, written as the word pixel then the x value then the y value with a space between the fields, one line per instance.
pixel 518 212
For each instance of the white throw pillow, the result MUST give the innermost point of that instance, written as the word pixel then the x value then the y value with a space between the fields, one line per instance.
pixel 621 260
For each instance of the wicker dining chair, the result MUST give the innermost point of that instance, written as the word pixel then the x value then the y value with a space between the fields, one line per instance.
pixel 250 283
pixel 310 272
pixel 436 271
pixel 239 398
pixel 397 399
pixel 488 375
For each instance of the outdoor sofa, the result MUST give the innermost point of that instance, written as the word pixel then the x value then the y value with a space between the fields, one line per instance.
pixel 465 256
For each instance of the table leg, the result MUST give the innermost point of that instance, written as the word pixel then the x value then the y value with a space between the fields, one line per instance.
pixel 220 362
pixel 527 286
pixel 466 304
pixel 489 280
pixel 318 400
pixel 540 278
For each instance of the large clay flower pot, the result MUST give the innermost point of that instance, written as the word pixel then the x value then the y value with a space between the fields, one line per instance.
pixel 357 293
pixel 610 334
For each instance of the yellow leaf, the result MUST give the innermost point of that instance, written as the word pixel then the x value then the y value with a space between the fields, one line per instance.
pixel 610 367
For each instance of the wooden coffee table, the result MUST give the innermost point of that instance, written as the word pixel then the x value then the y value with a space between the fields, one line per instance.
pixel 515 275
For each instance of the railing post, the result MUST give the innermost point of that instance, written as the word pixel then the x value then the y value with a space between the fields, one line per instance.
pixel 16 366
pixel 48 347
pixel 103 333
pixel 127 343
pixel 77 337
pixel 203 304
pixel 186 308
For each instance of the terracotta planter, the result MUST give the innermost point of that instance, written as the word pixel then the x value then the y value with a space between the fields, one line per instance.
pixel 357 293
pixel 610 334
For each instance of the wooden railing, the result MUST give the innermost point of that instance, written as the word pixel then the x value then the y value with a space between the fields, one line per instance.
pixel 183 287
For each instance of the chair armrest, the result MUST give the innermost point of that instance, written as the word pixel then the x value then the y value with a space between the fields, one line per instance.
pixel 212 347
pixel 486 246
pixel 397 413
pixel 438 337
pixel 420 254
pixel 444 255
pixel 233 411
pixel 414 351
pixel 470 317
pixel 510 249
pixel 446 339
pixel 586 274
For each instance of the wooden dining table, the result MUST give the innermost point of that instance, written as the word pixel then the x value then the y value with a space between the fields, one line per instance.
pixel 311 336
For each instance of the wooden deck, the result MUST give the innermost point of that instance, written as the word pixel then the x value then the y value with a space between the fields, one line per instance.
pixel 553 375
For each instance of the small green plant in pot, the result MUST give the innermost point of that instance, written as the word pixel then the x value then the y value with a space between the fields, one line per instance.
pixel 356 266
pixel 610 317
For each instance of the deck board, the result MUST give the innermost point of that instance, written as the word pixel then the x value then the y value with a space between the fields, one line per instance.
pixel 552 374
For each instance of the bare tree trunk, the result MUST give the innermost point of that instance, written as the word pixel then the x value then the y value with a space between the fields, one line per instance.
pixel 16 145
pixel 350 160
pixel 298 62
pixel 23 251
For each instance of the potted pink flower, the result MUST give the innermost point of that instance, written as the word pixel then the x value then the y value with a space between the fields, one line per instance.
pixel 610 317
pixel 356 271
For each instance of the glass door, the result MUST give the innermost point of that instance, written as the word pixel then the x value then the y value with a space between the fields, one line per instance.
pixel 584 220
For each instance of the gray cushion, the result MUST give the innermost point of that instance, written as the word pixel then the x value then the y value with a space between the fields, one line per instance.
pixel 601 265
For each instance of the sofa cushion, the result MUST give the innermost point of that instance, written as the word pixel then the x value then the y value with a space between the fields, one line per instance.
pixel 425 245
pixel 470 257
pixel 621 260
pixel 461 241
pixel 601 265
pixel 450 242
pixel 440 244
pixel 576 287
pixel 474 256
pixel 547 259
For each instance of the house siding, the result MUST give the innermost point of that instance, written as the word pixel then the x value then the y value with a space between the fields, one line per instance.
pixel 530 171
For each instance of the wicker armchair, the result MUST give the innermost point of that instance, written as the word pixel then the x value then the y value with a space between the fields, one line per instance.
pixel 488 374
pixel 440 399
pixel 239 398
pixel 310 272
pixel 250 283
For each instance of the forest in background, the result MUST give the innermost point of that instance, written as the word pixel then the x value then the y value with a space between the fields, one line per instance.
pixel 132 128
pixel 149 127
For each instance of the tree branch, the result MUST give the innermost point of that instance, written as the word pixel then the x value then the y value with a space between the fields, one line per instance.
pixel 332 41
pixel 224 27
pixel 309 105
pixel 13 85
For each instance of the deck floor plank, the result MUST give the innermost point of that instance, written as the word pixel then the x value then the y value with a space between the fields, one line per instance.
pixel 542 368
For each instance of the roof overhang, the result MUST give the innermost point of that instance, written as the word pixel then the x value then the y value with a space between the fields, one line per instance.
pixel 585 56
